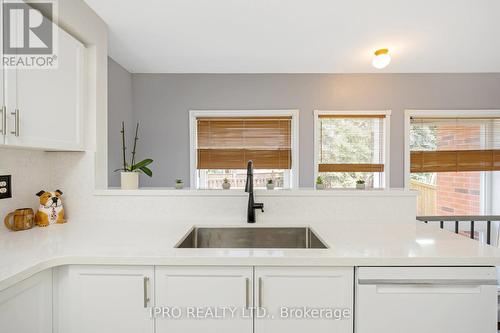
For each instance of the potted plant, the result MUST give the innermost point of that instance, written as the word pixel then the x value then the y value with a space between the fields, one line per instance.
pixel 130 171
pixel 226 185
pixel 320 185
pixel 360 184
pixel 270 184
pixel 179 184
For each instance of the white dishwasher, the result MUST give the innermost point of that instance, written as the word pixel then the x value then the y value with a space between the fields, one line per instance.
pixel 426 300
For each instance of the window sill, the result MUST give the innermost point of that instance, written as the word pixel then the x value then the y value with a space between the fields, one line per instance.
pixel 301 192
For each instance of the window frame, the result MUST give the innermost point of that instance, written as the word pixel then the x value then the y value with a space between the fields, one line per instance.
pixel 485 203
pixel 193 137
pixel 387 137
pixel 434 113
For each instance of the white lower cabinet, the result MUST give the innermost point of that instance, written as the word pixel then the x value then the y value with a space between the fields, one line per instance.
pixel 426 299
pixel 26 307
pixel 304 299
pixel 201 295
pixel 220 299
pixel 104 299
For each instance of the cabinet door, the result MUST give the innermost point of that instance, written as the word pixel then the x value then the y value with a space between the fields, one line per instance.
pixel 304 299
pixel 104 299
pixel 3 118
pixel 206 289
pixel 27 306
pixel 46 111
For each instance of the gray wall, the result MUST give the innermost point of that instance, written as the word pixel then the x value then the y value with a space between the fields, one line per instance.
pixel 162 101
pixel 119 109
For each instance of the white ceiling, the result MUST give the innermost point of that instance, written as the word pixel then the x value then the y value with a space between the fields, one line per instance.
pixel 302 36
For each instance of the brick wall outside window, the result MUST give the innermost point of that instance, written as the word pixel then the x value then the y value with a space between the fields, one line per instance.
pixel 458 193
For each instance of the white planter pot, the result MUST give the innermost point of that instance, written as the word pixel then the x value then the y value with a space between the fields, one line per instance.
pixel 270 186
pixel 179 186
pixel 226 186
pixel 320 186
pixel 360 186
pixel 129 180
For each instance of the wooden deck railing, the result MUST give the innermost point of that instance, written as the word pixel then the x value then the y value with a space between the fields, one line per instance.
pixel 427 199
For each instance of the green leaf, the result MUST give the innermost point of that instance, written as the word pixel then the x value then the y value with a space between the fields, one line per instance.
pixel 141 164
pixel 147 171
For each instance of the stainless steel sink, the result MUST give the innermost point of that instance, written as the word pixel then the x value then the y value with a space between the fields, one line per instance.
pixel 252 237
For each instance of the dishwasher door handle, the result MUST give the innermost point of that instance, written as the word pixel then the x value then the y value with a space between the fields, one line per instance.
pixel 429 282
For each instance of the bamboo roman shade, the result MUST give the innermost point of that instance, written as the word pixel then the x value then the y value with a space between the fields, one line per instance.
pixel 351 143
pixel 454 144
pixel 228 143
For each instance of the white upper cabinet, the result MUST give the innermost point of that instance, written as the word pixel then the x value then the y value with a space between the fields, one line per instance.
pixel 206 289
pixel 45 105
pixel 286 293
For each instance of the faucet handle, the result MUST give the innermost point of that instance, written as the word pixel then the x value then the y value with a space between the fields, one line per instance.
pixel 259 205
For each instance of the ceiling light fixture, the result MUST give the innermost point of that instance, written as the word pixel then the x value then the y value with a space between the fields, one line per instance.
pixel 381 59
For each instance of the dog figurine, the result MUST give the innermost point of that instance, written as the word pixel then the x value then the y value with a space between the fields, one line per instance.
pixel 51 208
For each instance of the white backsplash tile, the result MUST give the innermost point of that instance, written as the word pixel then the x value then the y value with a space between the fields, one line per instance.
pixel 31 172
pixel 73 173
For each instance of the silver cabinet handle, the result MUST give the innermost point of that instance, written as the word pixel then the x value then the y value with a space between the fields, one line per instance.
pixel 260 292
pixel 17 122
pixel 145 289
pixel 247 291
pixel 3 110
pixel 428 282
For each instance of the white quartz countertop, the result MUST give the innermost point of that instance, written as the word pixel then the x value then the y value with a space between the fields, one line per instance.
pixel 350 244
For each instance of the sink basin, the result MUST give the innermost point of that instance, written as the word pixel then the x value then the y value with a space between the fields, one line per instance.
pixel 252 237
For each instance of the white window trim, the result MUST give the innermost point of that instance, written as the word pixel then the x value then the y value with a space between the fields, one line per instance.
pixel 193 114
pixel 485 183
pixel 387 137
pixel 435 113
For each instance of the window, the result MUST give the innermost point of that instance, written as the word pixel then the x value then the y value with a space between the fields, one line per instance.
pixel 224 141
pixel 352 146
pixel 454 160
